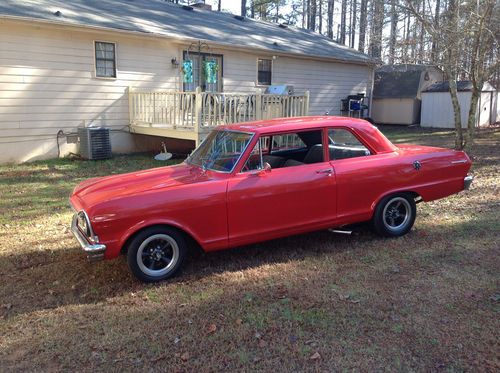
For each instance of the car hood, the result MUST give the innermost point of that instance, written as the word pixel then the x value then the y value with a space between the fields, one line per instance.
pixel 93 191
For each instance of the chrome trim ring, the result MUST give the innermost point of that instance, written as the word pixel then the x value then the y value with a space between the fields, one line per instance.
pixel 157 255
pixel 396 214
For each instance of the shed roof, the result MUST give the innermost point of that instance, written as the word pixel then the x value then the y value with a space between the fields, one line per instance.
pixel 160 18
pixel 398 81
pixel 462 86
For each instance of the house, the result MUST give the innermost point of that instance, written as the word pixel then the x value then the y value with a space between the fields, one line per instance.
pixel 68 64
pixel 397 92
pixel 120 64
pixel 437 109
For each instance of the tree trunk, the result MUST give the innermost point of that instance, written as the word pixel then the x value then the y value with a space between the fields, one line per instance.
pixel 436 26
pixel 343 12
pixel 320 15
pixel 459 139
pixel 421 47
pixel 362 26
pixel 393 34
pixel 330 18
pixel 377 27
pixel 243 8
pixel 312 11
pixel 219 5
pixel 352 38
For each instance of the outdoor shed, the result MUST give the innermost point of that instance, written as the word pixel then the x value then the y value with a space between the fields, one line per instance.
pixel 437 109
pixel 397 92
pixel 121 64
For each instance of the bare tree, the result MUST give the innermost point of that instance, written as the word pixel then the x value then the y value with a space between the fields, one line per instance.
pixel 467 32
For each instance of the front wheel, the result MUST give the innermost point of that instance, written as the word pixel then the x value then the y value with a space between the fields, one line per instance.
pixel 395 215
pixel 156 253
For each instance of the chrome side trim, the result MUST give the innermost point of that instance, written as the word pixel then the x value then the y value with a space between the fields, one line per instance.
pixel 94 252
pixel 468 181
pixel 459 162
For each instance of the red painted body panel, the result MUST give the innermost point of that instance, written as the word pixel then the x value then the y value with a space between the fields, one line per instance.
pixel 222 210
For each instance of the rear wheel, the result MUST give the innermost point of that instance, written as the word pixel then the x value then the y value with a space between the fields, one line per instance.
pixel 156 253
pixel 395 215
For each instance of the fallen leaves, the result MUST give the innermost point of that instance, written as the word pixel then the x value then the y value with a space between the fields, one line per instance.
pixel 315 356
pixel 212 328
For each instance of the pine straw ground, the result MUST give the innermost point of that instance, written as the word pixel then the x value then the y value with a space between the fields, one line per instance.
pixel 316 302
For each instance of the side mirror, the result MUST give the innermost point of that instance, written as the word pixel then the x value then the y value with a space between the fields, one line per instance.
pixel 267 167
pixel 262 171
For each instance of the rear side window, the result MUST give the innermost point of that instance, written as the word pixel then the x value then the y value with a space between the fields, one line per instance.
pixel 343 144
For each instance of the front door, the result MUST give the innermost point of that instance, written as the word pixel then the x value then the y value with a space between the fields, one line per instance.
pixel 298 194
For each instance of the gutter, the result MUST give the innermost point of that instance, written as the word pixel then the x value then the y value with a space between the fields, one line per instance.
pixel 179 40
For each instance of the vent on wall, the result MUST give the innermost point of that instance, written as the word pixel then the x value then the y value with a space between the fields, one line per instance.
pixel 94 143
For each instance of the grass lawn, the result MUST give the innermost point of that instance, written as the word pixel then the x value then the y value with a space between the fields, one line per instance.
pixel 428 301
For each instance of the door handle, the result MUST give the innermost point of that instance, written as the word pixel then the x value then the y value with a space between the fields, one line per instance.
pixel 327 171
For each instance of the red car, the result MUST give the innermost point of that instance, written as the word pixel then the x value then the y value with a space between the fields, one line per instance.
pixel 257 181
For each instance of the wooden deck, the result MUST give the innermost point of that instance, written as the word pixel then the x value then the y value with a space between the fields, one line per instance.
pixel 191 115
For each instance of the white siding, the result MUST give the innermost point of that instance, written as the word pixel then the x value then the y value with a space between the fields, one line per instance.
pixel 437 110
pixel 47 83
pixel 327 82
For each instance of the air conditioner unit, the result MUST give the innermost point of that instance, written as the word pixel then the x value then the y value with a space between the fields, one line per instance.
pixel 94 143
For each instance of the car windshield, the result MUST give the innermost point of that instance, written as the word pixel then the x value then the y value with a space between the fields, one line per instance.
pixel 220 151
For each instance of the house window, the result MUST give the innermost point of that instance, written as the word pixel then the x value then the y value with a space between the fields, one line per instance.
pixel 264 71
pixel 105 60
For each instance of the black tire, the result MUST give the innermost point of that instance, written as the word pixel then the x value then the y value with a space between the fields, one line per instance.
pixel 394 215
pixel 156 253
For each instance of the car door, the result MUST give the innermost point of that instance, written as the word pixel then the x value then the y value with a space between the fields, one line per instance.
pixel 360 175
pixel 267 204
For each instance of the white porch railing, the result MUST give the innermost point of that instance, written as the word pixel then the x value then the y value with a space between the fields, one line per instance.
pixel 199 111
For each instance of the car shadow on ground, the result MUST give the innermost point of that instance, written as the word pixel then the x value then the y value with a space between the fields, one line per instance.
pixel 45 279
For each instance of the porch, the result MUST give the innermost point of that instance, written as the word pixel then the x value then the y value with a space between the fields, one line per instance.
pixel 191 115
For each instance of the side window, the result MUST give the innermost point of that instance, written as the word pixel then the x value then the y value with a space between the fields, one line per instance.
pixel 289 141
pixel 343 144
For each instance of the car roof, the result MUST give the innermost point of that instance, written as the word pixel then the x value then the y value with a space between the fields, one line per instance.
pixel 296 123
pixel 365 130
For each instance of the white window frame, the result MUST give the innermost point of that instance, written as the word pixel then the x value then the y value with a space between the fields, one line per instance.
pixel 270 58
pixel 115 57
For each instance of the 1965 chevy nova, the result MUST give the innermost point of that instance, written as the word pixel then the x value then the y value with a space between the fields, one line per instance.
pixel 257 181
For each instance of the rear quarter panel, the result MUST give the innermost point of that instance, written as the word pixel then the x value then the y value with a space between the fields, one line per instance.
pixel 362 182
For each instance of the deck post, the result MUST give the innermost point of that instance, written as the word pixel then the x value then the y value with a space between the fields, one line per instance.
pixel 130 105
pixel 306 104
pixel 258 106
pixel 198 113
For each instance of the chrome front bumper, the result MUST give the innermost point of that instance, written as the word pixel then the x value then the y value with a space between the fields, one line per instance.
pixel 94 252
pixel 468 181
